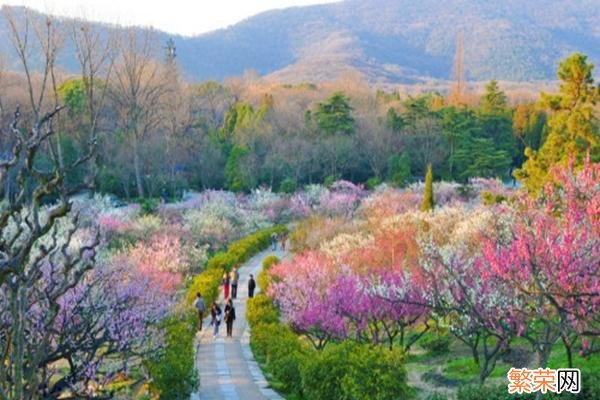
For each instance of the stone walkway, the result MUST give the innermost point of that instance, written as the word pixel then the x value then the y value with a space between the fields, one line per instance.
pixel 226 366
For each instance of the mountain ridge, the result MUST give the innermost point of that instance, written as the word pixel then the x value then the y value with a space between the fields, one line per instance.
pixel 396 41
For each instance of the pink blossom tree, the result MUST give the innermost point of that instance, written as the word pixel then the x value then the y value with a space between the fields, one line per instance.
pixel 302 289
pixel 553 261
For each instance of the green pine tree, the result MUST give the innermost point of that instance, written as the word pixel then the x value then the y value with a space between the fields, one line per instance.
pixel 428 203
pixel 335 115
pixel 573 128
pixel 399 169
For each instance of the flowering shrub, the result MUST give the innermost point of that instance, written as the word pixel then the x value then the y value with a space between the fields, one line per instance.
pixel 312 232
pixel 342 199
pixel 389 202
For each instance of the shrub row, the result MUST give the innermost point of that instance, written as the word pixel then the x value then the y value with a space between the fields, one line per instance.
pixel 237 253
pixel 172 371
pixel 264 279
pixel 173 374
pixel 344 370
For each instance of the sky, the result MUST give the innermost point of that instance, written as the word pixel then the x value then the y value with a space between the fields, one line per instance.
pixel 185 17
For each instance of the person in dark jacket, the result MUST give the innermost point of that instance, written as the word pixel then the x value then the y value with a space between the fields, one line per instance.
pixel 235 276
pixel 274 239
pixel 229 317
pixel 251 286
pixel 215 320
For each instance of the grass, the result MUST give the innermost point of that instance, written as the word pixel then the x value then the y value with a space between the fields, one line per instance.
pixel 558 359
pixel 440 370
pixel 466 369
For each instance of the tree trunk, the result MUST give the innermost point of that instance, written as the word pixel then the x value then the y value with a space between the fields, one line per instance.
pixel 18 346
pixel 569 350
pixel 137 167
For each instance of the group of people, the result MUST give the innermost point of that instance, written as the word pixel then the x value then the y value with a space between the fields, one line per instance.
pixel 230 290
pixel 275 238
pixel 218 315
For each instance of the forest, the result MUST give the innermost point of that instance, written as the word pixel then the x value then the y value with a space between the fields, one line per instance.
pixel 158 133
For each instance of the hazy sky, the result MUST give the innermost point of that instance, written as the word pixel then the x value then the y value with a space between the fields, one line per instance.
pixel 187 17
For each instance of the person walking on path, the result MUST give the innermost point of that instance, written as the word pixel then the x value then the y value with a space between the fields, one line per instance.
pixel 229 317
pixel 251 286
pixel 200 307
pixel 274 241
pixel 225 282
pixel 283 240
pixel 215 318
pixel 235 276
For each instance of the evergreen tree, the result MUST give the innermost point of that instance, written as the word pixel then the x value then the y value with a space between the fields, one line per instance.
pixel 428 203
pixel 394 121
pixel 529 126
pixel 493 100
pixel 572 128
pixel 238 178
pixel 399 169
pixel 460 126
pixel 335 115
pixel 496 121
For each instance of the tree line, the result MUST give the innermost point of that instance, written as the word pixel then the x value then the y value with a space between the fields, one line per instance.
pixel 159 134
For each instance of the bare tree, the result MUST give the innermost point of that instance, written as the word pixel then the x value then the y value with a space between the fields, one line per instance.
pixel 29 237
pixel 139 87
pixel 94 52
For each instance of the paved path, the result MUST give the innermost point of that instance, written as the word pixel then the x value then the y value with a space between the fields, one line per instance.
pixel 226 366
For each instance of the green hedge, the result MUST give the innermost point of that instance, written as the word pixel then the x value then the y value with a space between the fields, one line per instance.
pixel 237 253
pixel 264 279
pixel 355 371
pixel 260 309
pixel 172 371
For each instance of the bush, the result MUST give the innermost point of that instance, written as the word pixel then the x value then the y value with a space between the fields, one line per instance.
pixel 490 198
pixel 260 309
pixel 288 185
pixel 589 391
pixel 373 182
pixel 353 371
pixel 207 283
pixel 269 261
pixel 286 369
pixel 241 250
pixel 283 352
pixel 330 180
pixel 238 252
pixel 148 205
pixel 437 344
pixel 173 372
pixel 263 278
pixel 590 385
pixel 272 340
pixel 375 373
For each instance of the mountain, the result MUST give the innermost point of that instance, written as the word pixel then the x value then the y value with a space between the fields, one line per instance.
pixel 399 41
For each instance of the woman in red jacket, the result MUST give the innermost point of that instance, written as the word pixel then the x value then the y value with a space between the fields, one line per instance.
pixel 225 282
